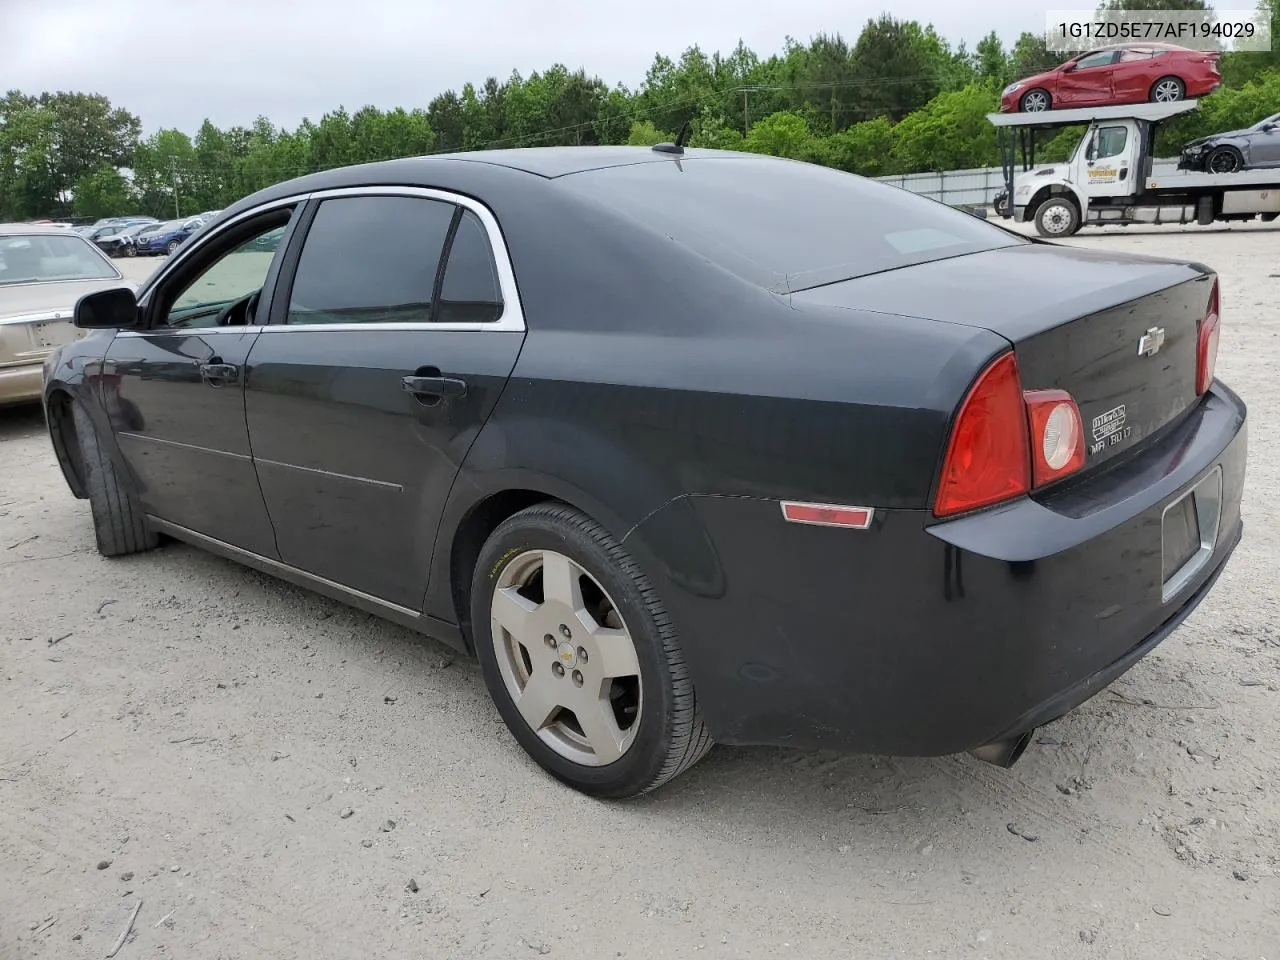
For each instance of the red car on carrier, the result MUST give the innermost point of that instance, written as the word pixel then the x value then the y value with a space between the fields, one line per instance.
pixel 1124 73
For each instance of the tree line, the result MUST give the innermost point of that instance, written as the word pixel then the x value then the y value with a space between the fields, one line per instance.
pixel 899 99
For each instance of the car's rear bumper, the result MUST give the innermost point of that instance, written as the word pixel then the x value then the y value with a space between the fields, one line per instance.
pixel 918 637
pixel 21 384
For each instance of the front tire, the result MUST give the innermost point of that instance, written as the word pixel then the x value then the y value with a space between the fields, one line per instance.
pixel 130 251
pixel 1224 160
pixel 118 522
pixel 1036 101
pixel 171 247
pixel 1057 217
pixel 580 657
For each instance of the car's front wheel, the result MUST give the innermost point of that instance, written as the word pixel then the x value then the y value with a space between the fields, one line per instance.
pixel 1036 101
pixel 580 657
pixel 1224 160
pixel 130 251
pixel 171 247
pixel 1057 217
pixel 118 521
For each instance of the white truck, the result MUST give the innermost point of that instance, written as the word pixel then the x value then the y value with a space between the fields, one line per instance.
pixel 1109 178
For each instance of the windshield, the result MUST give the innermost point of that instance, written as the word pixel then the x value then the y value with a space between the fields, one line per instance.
pixel 164 227
pixel 787 226
pixel 1274 118
pixel 39 258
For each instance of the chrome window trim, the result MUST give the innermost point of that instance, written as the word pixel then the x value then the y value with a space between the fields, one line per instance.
pixel 512 319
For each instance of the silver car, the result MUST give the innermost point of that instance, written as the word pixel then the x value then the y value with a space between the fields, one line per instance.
pixel 1252 148
pixel 44 270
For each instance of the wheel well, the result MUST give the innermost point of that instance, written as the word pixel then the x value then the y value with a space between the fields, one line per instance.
pixel 1044 193
pixel 469 539
pixel 66 445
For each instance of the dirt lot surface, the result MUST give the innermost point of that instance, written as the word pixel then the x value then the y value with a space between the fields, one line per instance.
pixel 273 775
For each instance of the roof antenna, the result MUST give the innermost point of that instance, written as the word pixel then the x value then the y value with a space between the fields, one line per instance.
pixel 677 147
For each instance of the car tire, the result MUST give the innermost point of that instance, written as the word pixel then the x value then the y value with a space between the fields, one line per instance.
pixel 1036 100
pixel 130 251
pixel 634 682
pixel 1058 216
pixel 171 247
pixel 1223 160
pixel 1168 90
pixel 118 521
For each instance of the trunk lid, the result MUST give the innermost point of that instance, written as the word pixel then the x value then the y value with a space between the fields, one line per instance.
pixel 1119 333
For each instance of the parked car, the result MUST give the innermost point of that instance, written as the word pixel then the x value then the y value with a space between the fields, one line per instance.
pixel 1123 73
pixel 165 238
pixel 749 453
pixel 43 271
pixel 1253 147
pixel 121 243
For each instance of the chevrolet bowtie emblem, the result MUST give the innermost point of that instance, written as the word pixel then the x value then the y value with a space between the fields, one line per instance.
pixel 1149 343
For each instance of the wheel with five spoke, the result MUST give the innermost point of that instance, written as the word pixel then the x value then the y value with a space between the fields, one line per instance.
pixel 580 657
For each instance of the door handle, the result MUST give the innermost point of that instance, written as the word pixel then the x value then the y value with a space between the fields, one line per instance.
pixel 1124 172
pixel 445 387
pixel 219 374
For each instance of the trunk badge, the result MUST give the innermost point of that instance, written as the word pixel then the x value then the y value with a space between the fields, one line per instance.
pixel 1149 343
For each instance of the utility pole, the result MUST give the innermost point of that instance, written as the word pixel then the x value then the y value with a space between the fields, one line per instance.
pixel 746 112
pixel 173 174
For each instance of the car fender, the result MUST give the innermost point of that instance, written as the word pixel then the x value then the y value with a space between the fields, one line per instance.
pixel 1055 188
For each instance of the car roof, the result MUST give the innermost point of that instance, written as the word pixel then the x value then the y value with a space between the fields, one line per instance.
pixel 35 229
pixel 477 168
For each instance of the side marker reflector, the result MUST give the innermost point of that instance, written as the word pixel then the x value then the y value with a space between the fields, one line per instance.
pixel 827 515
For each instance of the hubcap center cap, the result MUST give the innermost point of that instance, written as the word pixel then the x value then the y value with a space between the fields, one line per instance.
pixel 567 655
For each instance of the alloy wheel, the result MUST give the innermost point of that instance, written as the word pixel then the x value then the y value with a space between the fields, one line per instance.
pixel 1223 161
pixel 1036 101
pixel 1167 91
pixel 566 657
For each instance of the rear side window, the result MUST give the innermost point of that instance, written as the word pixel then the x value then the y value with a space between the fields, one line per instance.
pixel 783 225
pixel 470 292
pixel 370 260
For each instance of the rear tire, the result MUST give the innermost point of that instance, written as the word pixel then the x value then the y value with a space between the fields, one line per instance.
pixel 1168 90
pixel 1057 217
pixel 118 521
pixel 528 647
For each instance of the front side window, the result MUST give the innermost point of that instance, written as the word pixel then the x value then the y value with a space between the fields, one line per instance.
pixel 39 258
pixel 231 278
pixel 370 260
pixel 1111 142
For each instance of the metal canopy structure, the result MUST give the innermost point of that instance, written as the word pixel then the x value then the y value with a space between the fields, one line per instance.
pixel 1048 119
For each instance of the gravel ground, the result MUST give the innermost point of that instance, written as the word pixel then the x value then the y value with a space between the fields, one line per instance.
pixel 274 775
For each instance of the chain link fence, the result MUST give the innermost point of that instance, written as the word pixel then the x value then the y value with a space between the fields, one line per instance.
pixel 977 187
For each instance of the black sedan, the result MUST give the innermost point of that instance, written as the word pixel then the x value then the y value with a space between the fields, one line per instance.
pixel 1253 148
pixel 684 446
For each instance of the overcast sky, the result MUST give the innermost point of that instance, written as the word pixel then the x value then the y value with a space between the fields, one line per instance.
pixel 175 62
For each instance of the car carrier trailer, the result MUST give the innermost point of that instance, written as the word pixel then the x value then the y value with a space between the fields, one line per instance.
pixel 1109 177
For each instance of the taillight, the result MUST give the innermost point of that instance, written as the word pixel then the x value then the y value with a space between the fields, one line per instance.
pixel 987 456
pixel 1057 435
pixel 1006 443
pixel 1207 344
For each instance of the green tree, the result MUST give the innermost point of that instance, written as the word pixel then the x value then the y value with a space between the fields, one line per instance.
pixel 951 132
pixel 1031 55
pixel 104 193
pixel 865 148
pixel 645 134
pixel 893 69
pixel 782 134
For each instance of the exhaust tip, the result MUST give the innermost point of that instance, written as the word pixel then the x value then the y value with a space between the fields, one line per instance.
pixel 1003 753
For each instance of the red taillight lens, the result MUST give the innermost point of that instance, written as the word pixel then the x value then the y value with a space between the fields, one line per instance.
pixel 1057 435
pixel 1207 345
pixel 987 457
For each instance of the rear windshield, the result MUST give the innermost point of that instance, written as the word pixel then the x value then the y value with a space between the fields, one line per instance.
pixel 787 226
pixel 36 258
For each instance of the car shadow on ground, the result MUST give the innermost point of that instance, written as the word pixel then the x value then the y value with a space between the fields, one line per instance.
pixel 22 420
